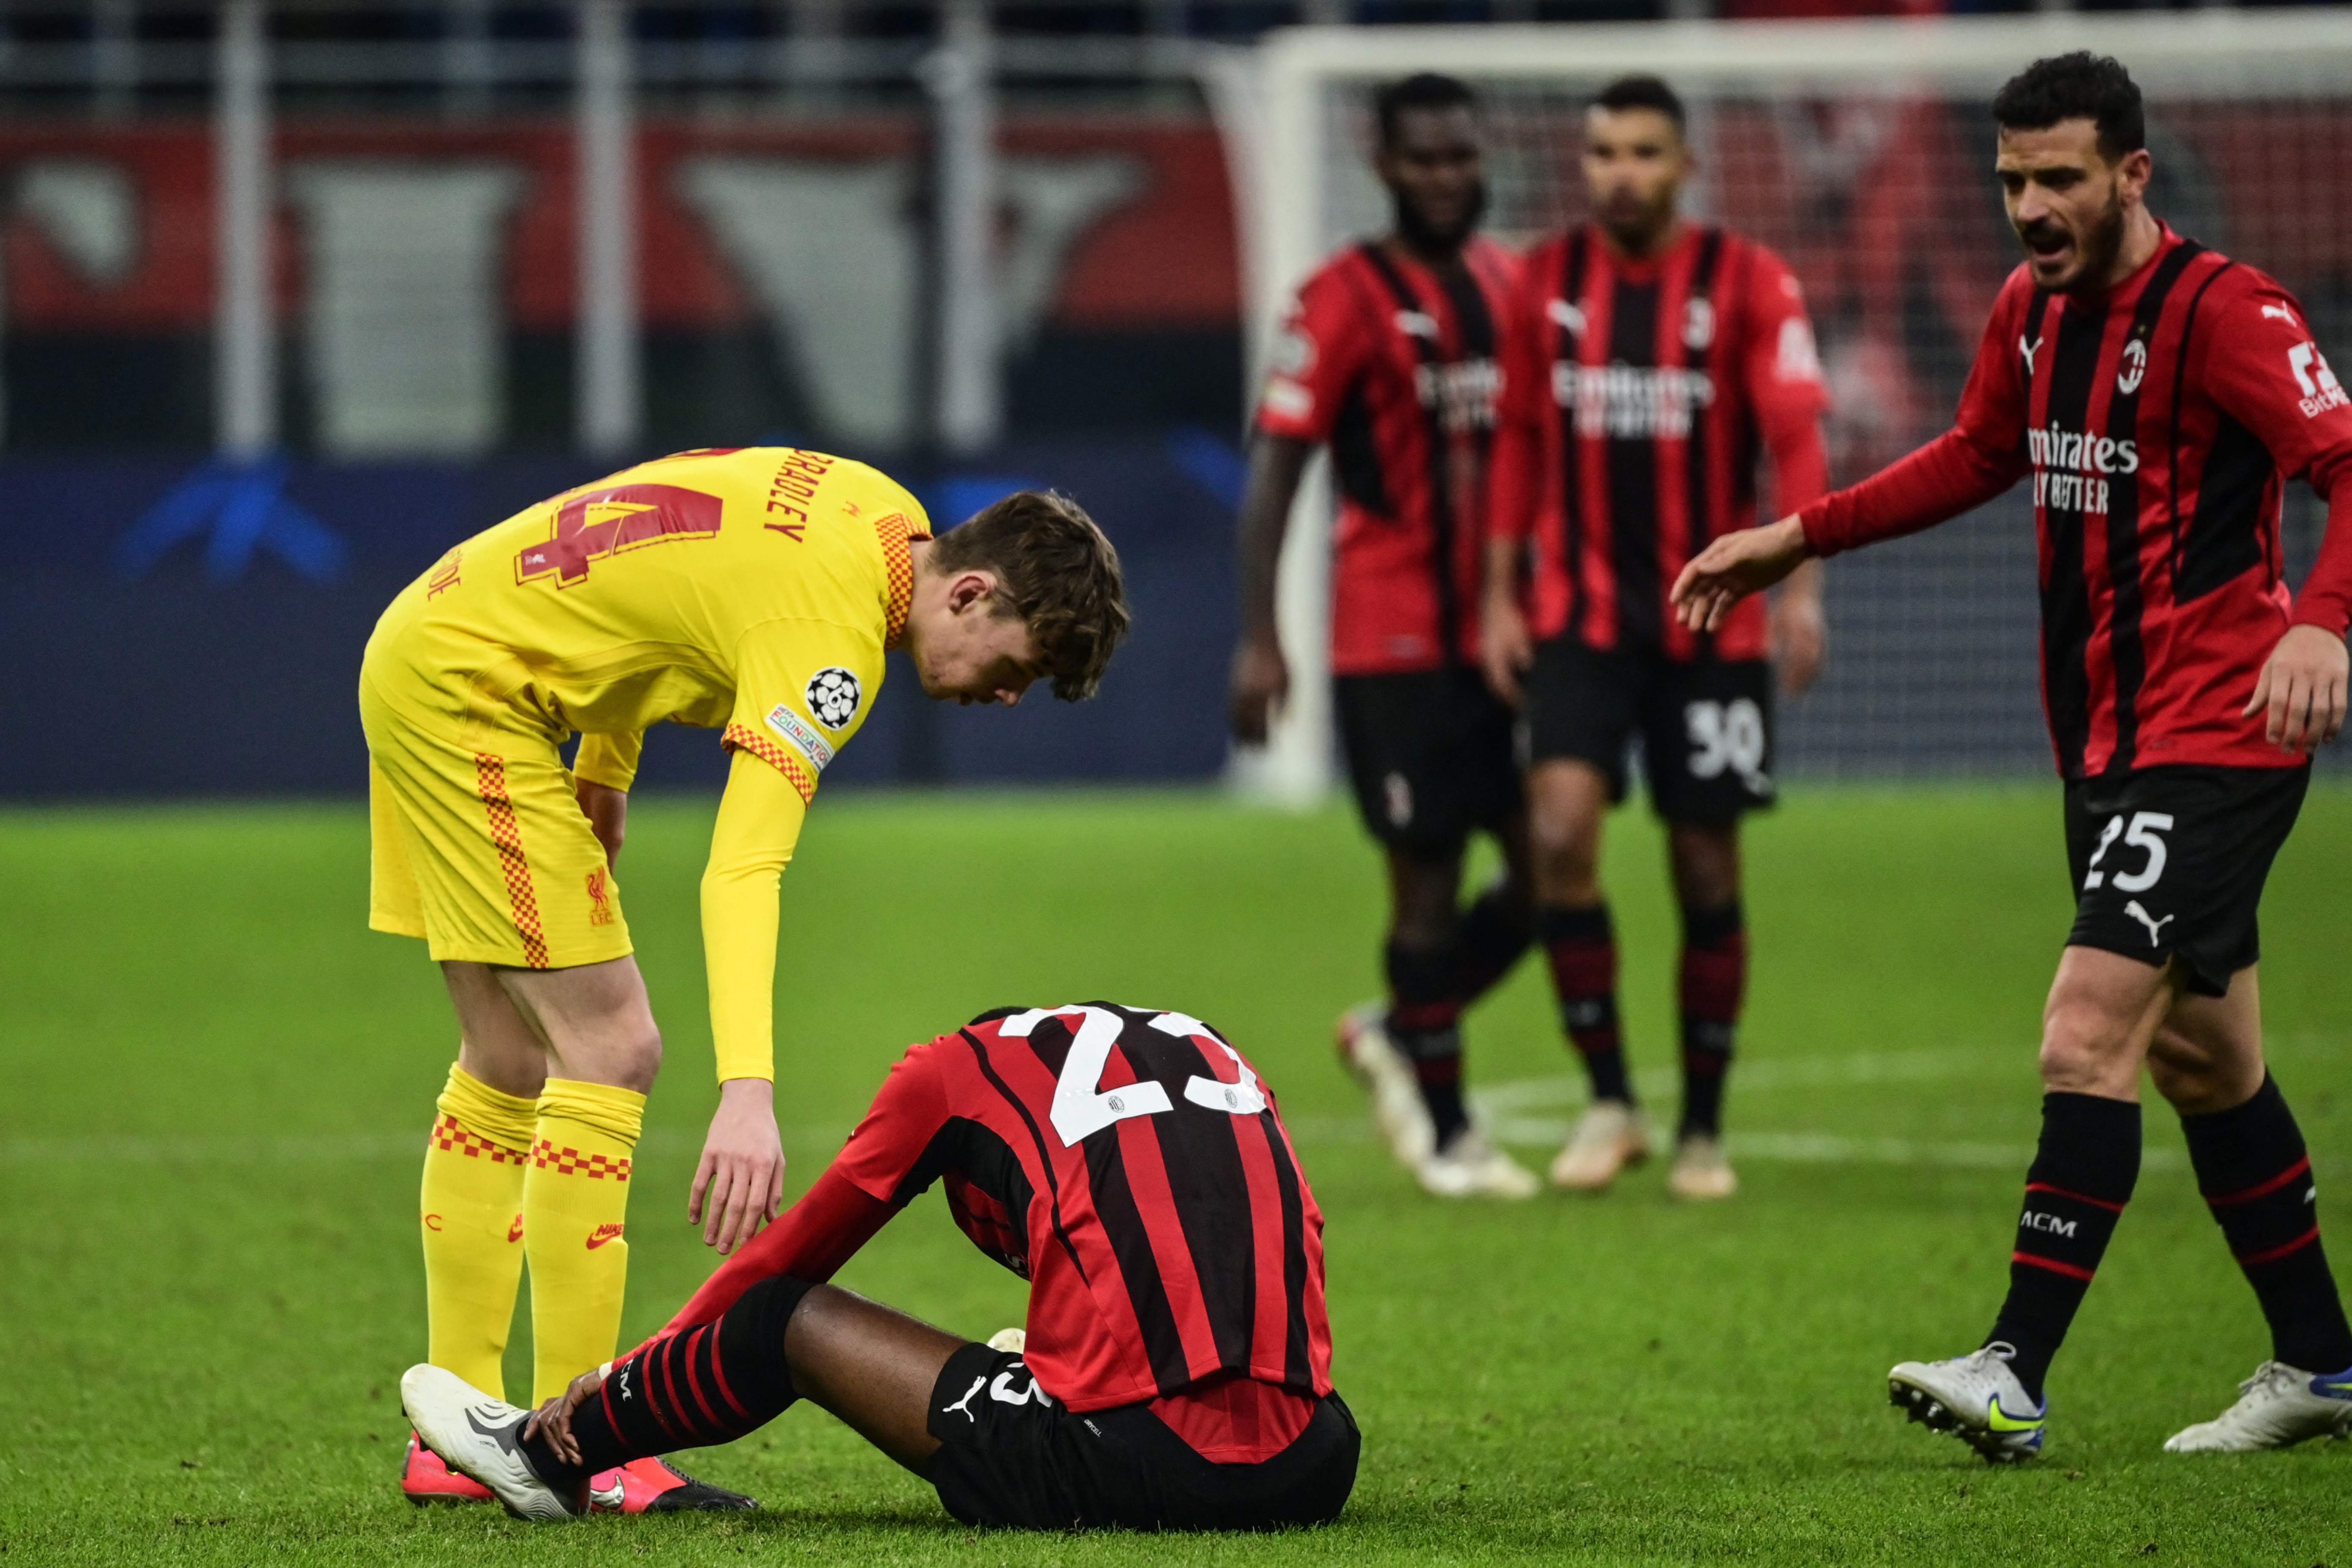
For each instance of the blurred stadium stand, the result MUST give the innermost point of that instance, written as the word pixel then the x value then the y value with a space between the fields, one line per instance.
pixel 294 295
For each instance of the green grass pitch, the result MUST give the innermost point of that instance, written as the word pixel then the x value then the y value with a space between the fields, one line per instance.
pixel 218 1083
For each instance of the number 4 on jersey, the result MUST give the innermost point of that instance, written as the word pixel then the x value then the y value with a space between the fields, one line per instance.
pixel 1082 1108
pixel 605 523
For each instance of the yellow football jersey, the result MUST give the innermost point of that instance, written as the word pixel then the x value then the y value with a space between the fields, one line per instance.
pixel 753 591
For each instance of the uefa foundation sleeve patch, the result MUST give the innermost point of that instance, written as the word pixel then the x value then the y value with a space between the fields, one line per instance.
pixel 802 736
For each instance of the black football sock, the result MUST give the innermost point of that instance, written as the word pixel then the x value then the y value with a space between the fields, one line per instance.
pixel 699 1386
pixel 2256 1178
pixel 1494 933
pixel 2081 1177
pixel 1582 949
pixel 1713 980
pixel 1425 1020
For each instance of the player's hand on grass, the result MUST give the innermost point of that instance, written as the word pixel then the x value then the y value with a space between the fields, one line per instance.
pixel 607 810
pixel 1261 683
pixel 739 1184
pixel 2303 686
pixel 1799 633
pixel 1505 646
pixel 553 1419
pixel 1735 566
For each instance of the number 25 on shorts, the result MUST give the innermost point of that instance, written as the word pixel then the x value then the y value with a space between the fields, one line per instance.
pixel 2142 834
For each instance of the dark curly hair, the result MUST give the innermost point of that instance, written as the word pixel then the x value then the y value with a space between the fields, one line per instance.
pixel 2079 86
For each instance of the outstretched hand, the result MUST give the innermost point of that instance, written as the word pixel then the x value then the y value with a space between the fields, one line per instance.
pixel 739 1184
pixel 552 1420
pixel 1733 567
pixel 2303 687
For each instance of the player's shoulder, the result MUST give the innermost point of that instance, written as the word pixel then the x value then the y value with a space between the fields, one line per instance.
pixel 2230 285
pixel 1493 263
pixel 1338 279
pixel 1767 284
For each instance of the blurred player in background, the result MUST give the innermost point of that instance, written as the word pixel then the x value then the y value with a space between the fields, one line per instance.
pixel 1175 1372
pixel 1649 360
pixel 753 591
pixel 2160 394
pixel 1388 358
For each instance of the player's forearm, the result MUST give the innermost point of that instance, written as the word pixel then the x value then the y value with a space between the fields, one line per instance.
pixel 1939 481
pixel 1801 463
pixel 1276 463
pixel 810 1241
pixel 1501 576
pixel 2325 601
pixel 759 820
pixel 609 760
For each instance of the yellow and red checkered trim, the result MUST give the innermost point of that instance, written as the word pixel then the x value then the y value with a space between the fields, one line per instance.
pixel 898 531
pixel 572 1162
pixel 490 773
pixel 795 772
pixel 450 1137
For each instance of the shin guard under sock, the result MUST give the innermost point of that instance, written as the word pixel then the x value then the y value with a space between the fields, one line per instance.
pixel 1714 981
pixel 470 1213
pixel 1425 1020
pixel 1494 931
pixel 1582 949
pixel 708 1384
pixel 575 1206
pixel 2252 1167
pixel 2082 1176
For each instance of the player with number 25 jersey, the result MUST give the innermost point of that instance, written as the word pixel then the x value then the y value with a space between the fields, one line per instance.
pixel 1174 1370
pixel 753 592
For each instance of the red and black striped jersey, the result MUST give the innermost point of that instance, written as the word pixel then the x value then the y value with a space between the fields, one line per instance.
pixel 1392 363
pixel 1638 396
pixel 2160 421
pixel 1131 1165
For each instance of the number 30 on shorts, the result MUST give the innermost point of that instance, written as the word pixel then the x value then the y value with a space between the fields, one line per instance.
pixel 2143 834
pixel 1725 735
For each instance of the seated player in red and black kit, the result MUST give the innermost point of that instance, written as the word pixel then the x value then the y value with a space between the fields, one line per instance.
pixel 1176 1373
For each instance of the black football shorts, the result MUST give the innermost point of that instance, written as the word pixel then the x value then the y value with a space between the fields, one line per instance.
pixel 1706 727
pixel 1433 756
pixel 1012 1455
pixel 2169 862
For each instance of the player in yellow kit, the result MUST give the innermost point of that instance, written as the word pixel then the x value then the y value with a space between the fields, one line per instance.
pixel 752 591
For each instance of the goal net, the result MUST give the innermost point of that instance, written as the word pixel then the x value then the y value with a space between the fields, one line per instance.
pixel 1862 154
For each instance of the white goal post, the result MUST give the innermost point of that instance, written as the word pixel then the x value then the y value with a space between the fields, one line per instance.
pixel 1860 150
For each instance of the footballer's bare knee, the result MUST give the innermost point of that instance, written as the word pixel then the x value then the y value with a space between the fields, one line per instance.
pixel 1425 889
pixel 596 1019
pixel 1566 803
pixel 2206 1056
pixel 2102 1014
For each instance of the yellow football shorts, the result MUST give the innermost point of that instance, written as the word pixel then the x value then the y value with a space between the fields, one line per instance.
pixel 478 844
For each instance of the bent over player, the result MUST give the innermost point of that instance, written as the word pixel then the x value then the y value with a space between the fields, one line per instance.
pixel 750 591
pixel 1388 359
pixel 1649 361
pixel 1175 1369
pixel 2159 393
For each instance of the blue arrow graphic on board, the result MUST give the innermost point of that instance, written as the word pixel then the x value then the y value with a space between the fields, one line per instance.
pixel 236 508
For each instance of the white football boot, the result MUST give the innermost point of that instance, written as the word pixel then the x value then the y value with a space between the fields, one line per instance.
pixel 1700 1171
pixel 2278 1405
pixel 1015 1341
pixel 482 1437
pixel 1398 1110
pixel 1609 1137
pixel 1975 1397
pixel 1471 1167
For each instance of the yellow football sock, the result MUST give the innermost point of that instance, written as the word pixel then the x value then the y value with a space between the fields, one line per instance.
pixel 575 1200
pixel 471 1214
